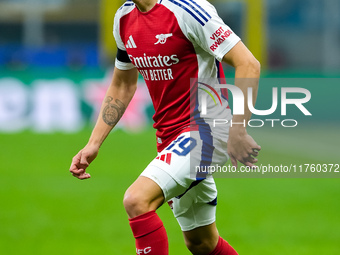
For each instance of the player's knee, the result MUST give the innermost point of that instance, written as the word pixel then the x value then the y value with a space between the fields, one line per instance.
pixel 135 204
pixel 200 247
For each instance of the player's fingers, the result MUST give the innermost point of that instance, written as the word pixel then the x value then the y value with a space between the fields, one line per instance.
pixel 254 153
pixel 75 175
pixel 82 176
pixel 76 158
pixel 73 167
pixel 250 165
pixel 77 170
pixel 79 165
pixel 75 164
pixel 257 147
pixel 251 159
pixel 233 160
pixel 84 161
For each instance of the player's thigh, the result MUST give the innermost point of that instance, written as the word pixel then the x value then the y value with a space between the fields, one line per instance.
pixel 170 169
pixel 142 196
pixel 197 206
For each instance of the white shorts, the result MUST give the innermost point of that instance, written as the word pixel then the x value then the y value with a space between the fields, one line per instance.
pixel 190 192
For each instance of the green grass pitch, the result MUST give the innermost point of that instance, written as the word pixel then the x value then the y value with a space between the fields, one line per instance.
pixel 44 210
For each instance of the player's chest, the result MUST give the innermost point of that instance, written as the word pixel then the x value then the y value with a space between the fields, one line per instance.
pixel 154 35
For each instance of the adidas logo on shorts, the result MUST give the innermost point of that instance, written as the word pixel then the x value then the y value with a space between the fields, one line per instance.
pixel 165 158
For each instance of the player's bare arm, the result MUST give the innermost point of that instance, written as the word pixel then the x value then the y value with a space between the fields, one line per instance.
pixel 241 146
pixel 118 96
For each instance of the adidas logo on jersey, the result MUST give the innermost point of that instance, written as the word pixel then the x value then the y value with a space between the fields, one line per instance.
pixel 131 43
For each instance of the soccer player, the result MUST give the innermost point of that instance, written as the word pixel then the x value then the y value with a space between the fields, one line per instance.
pixel 173 43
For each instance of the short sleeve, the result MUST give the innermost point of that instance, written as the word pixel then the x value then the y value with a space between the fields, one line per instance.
pixel 116 32
pixel 208 30
pixel 122 60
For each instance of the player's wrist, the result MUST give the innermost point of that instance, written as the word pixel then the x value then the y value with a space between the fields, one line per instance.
pixel 237 130
pixel 94 143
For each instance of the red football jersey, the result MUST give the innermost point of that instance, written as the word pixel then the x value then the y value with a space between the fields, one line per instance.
pixel 174 42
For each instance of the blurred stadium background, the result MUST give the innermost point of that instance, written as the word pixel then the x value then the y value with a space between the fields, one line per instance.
pixel 56 61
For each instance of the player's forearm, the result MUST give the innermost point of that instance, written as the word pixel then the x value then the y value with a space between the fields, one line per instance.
pixel 117 98
pixel 247 76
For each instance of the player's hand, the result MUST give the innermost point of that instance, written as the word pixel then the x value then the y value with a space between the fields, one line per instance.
pixel 82 160
pixel 242 148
